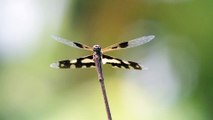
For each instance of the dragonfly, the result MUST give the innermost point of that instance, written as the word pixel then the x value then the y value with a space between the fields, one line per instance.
pixel 88 61
pixel 98 58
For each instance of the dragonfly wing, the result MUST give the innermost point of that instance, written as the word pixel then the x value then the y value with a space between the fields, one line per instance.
pixel 83 62
pixel 118 63
pixel 71 43
pixel 129 44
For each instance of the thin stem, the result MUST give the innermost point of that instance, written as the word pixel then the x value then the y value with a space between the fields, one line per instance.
pixel 98 64
pixel 105 100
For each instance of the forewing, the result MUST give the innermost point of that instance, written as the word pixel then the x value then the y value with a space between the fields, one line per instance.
pixel 83 62
pixel 71 43
pixel 118 63
pixel 129 44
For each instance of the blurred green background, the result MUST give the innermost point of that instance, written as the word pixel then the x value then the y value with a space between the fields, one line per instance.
pixel 177 86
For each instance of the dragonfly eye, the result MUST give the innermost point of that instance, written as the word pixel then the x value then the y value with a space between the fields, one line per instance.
pixel 96 48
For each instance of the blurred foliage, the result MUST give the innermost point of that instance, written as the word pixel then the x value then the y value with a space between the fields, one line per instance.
pixel 30 90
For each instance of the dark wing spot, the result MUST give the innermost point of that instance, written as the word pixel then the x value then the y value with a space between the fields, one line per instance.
pixel 135 65
pixel 79 64
pixel 114 47
pixel 64 64
pixel 79 45
pixel 123 45
pixel 88 65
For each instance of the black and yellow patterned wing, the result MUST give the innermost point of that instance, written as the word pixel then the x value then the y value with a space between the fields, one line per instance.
pixel 118 63
pixel 83 62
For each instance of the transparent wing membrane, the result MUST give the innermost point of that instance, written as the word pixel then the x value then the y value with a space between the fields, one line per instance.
pixel 129 44
pixel 71 43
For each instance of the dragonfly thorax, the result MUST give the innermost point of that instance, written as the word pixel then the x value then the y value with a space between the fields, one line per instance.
pixel 96 48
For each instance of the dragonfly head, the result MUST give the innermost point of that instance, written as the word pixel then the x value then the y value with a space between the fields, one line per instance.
pixel 96 48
